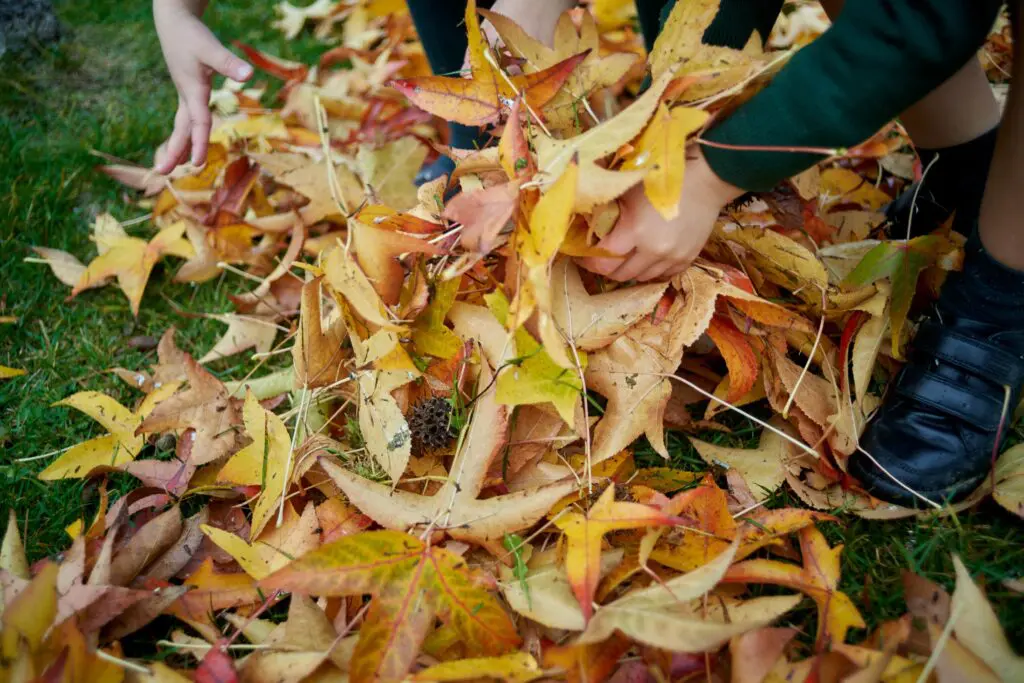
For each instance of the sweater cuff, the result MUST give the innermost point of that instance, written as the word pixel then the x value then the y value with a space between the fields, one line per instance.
pixel 748 170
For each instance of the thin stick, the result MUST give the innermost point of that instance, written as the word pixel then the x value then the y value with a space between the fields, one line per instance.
pixel 889 474
pixel 238 271
pixel 303 407
pixel 588 455
pixel 810 359
pixel 123 663
pixel 940 644
pixel 44 455
pixel 799 444
pixel 207 646
pixel 913 202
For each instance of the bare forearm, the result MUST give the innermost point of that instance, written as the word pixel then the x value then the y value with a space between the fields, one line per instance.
pixel 536 18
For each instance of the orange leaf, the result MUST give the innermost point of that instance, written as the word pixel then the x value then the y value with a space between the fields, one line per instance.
pixel 513 151
pixel 708 535
pixel 584 534
pixel 818 578
pixel 539 88
pixel 377 253
pixel 275 66
pixel 469 102
pixel 738 354
pixel 411 584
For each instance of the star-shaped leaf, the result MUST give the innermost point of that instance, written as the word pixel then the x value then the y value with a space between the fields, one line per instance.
pixel 594 321
pixel 129 259
pixel 118 447
pixel 818 578
pixel 584 534
pixel 208 408
pixel 412 583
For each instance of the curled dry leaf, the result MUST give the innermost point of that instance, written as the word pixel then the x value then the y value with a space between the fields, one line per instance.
pixel 208 408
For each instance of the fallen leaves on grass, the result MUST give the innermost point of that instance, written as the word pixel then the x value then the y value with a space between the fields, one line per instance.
pixel 440 367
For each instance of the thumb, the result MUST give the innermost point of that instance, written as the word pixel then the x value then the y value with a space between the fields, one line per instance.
pixel 225 62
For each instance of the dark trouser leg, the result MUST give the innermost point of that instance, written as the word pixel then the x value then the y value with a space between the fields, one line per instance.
pixel 735 22
pixel 440 26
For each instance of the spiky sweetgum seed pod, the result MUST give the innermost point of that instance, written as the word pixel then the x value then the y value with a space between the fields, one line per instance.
pixel 429 422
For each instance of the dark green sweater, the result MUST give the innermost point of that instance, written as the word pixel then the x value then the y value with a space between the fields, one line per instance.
pixel 878 58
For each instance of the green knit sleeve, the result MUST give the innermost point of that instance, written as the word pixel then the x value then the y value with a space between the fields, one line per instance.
pixel 878 58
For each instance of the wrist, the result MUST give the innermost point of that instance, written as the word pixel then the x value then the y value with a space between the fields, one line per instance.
pixel 191 7
pixel 705 181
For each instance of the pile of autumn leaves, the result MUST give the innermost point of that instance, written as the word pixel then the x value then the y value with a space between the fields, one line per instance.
pixel 532 544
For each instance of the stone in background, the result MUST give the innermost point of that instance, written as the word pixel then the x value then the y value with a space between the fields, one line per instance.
pixel 24 23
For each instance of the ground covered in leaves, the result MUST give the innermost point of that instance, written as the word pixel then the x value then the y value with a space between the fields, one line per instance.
pixel 342 428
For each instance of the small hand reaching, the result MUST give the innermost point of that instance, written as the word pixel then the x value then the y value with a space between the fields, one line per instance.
pixel 192 54
pixel 654 248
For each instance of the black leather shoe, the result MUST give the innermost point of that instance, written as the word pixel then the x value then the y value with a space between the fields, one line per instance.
pixel 937 428
pixel 432 171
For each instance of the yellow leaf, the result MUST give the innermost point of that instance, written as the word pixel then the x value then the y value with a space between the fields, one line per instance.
pixel 111 450
pixel 978 629
pixel 7 373
pixel 517 667
pixel 535 378
pixel 1009 478
pixel 843 186
pixel 383 426
pixel 130 259
pixel 275 547
pixel 389 170
pixel 554 155
pixel 549 221
pixel 682 34
pixel 263 462
pixel 430 337
pixel 347 279
pixel 246 128
pixel 760 467
pixel 12 552
pixel 28 617
pixel 660 150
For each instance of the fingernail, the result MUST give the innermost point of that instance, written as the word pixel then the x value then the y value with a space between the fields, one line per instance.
pixel 243 72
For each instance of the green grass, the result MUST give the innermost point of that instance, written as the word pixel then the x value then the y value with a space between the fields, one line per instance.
pixel 105 88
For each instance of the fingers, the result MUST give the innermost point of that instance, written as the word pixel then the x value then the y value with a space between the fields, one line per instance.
pixel 621 240
pixel 174 150
pixel 638 263
pixel 201 120
pixel 223 60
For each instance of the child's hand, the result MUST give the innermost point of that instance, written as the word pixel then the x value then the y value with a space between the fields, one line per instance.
pixel 192 54
pixel 653 247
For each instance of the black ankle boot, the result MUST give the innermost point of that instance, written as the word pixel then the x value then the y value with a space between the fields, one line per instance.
pixel 937 430
pixel 441 166
pixel 954 181
pixel 460 137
